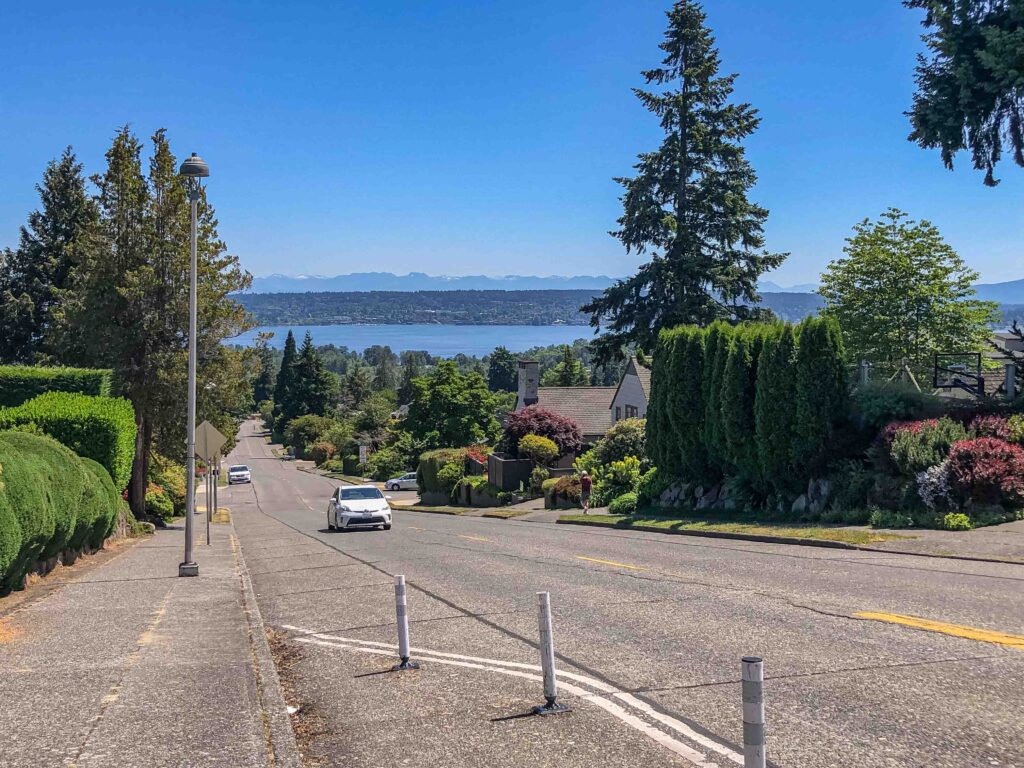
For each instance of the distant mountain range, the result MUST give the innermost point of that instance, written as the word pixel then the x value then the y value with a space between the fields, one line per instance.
pixel 1011 292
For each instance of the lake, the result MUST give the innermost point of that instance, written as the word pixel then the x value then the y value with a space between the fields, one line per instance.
pixel 438 340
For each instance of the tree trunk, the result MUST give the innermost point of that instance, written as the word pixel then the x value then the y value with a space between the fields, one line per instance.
pixel 140 467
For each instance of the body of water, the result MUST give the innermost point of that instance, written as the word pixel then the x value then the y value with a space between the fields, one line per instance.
pixel 438 340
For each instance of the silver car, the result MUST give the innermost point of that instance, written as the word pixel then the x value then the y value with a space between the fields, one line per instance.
pixel 358 506
pixel 406 482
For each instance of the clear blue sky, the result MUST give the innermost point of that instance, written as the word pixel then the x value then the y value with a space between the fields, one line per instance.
pixel 466 138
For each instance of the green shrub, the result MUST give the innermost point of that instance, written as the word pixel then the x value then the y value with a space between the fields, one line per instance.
pixel 1015 428
pixel 685 407
pixel 659 432
pixel 431 463
pixel 305 431
pixel 775 410
pixel 623 505
pixel 538 477
pixel 651 485
pixel 716 354
pixel 852 481
pixel 158 504
pixel 10 527
pixel 21 383
pixel 923 444
pixel 615 479
pixel 567 487
pixel 108 504
pixel 449 476
pixel 319 453
pixel 820 392
pixel 888 518
pixel 957 521
pixel 385 463
pixel 880 403
pixel 739 380
pixel 540 450
pixel 98 428
pixel 172 477
pixel 266 409
pixel 25 491
pixel 627 437
pixel 549 484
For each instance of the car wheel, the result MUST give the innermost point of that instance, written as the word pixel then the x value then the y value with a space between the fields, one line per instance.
pixel 386 526
pixel 330 525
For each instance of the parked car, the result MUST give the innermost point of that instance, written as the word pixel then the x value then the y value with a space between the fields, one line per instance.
pixel 406 482
pixel 358 506
pixel 239 473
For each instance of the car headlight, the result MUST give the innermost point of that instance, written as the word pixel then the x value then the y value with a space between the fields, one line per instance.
pixel 344 509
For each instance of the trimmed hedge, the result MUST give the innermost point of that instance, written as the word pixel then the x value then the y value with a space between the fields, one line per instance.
pixel 431 464
pixel 98 428
pixel 21 383
pixel 774 415
pixel 50 501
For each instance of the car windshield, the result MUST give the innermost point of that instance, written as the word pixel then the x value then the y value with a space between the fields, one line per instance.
pixel 360 493
pixel 238 468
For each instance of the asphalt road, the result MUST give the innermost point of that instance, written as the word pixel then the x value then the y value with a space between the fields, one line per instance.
pixel 649 630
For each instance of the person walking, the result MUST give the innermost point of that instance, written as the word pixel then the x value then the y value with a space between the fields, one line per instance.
pixel 585 485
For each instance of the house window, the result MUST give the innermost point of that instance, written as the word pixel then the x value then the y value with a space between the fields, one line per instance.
pixel 632 411
pixel 618 412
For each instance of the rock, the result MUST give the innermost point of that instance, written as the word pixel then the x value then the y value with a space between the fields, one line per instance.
pixel 818 492
pixel 709 499
pixel 800 505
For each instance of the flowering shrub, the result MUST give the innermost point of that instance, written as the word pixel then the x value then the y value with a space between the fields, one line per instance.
pixel 922 444
pixel 990 426
pixel 892 429
pixel 987 471
pixel 933 488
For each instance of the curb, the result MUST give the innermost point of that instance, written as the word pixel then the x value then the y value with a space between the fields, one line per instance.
pixel 761 539
pixel 284 751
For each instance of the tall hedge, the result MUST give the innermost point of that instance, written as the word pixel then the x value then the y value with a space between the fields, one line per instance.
pixel 431 464
pixel 821 392
pixel 659 431
pixel 775 408
pixel 739 380
pixel 716 353
pixel 98 428
pixel 50 500
pixel 685 404
pixel 20 383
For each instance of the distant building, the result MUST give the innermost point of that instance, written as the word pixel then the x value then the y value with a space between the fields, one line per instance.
pixel 594 409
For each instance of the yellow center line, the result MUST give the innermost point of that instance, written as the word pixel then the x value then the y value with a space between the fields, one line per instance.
pixel 414 528
pixel 611 563
pixel 475 538
pixel 956 630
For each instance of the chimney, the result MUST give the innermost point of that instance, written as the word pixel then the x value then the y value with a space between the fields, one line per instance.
pixel 529 380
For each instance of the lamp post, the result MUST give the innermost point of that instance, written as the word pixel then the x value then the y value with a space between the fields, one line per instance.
pixel 192 170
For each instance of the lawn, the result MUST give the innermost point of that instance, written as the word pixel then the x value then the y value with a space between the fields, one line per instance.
pixel 857 536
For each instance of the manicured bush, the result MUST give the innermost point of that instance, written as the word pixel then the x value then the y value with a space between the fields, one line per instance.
pixel 10 527
pixel 990 426
pixel 739 379
pixel 659 432
pixel 320 453
pixel 567 488
pixel 615 479
pixel 775 410
pixel 449 476
pixel 65 479
pixel 883 402
pixel 922 444
pixel 820 392
pixel 540 450
pixel 538 477
pixel 431 463
pixel 987 471
pixel 716 353
pixel 24 486
pixel 108 503
pixel 957 521
pixel 685 407
pixel 21 383
pixel 158 504
pixel 99 428
pixel 535 420
pixel 623 505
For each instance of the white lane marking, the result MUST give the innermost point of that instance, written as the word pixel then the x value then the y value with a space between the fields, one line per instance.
pixel 611 708
pixel 626 698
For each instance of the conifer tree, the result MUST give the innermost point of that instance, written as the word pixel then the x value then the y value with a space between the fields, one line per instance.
pixel 687 204
pixel 502 371
pixel 775 407
pixel 284 389
pixel 32 277
pixel 716 352
pixel 658 431
pixel 820 394
pixel 686 403
pixel 315 389
pixel 263 384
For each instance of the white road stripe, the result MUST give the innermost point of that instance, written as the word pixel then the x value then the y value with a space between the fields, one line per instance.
pixel 505 667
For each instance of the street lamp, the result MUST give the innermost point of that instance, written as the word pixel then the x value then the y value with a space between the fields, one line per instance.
pixel 192 170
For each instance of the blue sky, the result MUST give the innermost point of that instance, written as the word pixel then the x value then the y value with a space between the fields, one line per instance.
pixel 479 138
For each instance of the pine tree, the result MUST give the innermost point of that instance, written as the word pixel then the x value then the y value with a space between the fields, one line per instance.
pixel 569 372
pixel 688 203
pixel 32 277
pixel 316 389
pixel 284 390
pixel 410 371
pixel 263 384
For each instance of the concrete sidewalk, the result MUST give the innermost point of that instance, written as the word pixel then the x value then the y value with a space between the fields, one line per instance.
pixel 127 664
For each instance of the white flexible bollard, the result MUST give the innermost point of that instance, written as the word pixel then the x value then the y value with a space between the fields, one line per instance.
pixel 547 658
pixel 402 614
pixel 753 712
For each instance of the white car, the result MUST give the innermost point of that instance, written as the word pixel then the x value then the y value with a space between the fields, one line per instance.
pixel 239 473
pixel 358 506
pixel 406 482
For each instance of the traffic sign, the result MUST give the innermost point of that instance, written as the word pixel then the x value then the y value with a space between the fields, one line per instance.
pixel 208 441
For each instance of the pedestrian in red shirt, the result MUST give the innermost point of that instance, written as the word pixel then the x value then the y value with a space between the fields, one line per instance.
pixel 585 484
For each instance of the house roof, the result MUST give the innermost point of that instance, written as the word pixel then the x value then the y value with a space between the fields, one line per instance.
pixel 589 407
pixel 643 374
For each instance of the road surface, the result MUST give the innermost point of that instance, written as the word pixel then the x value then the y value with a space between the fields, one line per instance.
pixel 649 630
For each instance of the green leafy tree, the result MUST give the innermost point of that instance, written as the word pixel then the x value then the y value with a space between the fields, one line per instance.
pixel 451 409
pixel 357 386
pixel 902 292
pixel 775 408
pixel 32 277
pixel 502 371
pixel 569 372
pixel 688 202
pixel 970 92
pixel 385 366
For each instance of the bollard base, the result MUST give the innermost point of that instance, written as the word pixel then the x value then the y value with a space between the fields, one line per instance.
pixel 551 707
pixel 188 569
pixel 405 664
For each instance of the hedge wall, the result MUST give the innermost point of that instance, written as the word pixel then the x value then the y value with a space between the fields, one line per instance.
pixel 50 501
pixel 756 402
pixel 98 428
pixel 20 383
pixel 431 463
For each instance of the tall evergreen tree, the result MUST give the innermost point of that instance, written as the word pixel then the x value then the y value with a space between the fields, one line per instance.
pixel 316 389
pixel 410 371
pixel 502 371
pixel 32 276
pixel 775 408
pixel 686 403
pixel 688 203
pixel 284 390
pixel 568 372
pixel 266 378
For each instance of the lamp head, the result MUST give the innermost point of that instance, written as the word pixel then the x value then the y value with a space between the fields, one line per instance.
pixel 194 168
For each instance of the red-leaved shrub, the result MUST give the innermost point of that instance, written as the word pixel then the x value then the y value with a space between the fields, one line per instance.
pixel 987 470
pixel 536 420
pixel 990 426
pixel 890 430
